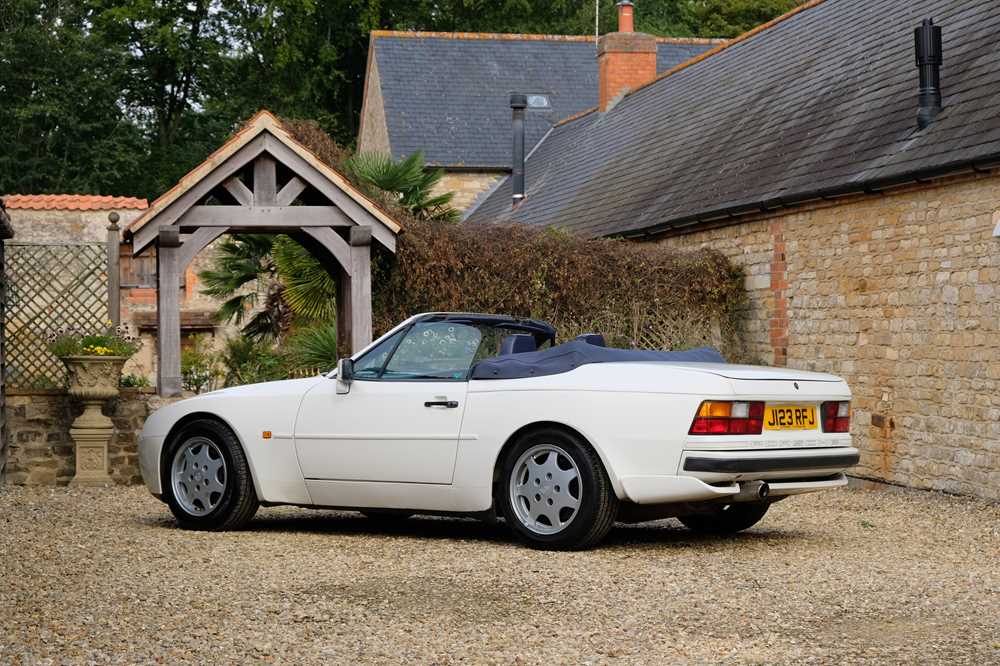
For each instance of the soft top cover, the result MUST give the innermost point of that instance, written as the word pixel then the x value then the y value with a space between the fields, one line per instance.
pixel 570 355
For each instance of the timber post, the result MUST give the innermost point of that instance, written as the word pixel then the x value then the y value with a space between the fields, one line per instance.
pixel 168 314
pixel 114 273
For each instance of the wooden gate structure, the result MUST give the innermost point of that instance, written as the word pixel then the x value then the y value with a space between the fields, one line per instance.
pixel 262 181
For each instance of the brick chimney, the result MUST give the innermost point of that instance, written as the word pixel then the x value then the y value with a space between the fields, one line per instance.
pixel 625 59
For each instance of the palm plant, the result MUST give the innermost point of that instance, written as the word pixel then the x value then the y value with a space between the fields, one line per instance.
pixel 409 181
pixel 309 290
pixel 244 274
pixel 314 347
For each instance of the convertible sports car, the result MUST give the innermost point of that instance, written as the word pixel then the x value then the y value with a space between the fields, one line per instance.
pixel 485 415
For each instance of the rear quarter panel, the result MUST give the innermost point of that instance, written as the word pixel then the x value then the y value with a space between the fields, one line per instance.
pixel 635 417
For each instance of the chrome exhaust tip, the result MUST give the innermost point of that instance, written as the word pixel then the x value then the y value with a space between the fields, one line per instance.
pixel 752 491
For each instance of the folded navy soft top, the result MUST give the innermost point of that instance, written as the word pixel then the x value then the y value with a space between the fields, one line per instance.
pixel 573 354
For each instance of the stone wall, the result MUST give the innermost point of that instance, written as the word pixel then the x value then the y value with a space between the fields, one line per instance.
pixel 39 448
pixel 467 186
pixel 900 294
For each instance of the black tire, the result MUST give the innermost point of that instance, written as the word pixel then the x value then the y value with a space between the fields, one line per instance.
pixel 727 519
pixel 598 504
pixel 238 502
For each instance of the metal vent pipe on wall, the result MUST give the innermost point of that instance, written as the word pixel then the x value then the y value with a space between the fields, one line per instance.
pixel 518 103
pixel 930 56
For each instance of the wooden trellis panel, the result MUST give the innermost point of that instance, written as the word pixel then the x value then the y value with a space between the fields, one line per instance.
pixel 49 287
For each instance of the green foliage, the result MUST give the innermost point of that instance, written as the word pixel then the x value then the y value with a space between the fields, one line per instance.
pixel 729 18
pixel 113 341
pixel 243 276
pixel 309 290
pixel 134 381
pixel 249 361
pixel 314 347
pixel 200 370
pixel 408 181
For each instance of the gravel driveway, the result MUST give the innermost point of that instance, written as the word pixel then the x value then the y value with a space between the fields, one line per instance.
pixel 848 576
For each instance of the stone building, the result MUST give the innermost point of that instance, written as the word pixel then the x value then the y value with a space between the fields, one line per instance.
pixel 446 94
pixel 55 218
pixel 859 191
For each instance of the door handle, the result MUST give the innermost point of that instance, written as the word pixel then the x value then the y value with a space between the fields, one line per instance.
pixel 450 404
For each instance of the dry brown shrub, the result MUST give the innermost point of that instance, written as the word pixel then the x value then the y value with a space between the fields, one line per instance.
pixel 636 294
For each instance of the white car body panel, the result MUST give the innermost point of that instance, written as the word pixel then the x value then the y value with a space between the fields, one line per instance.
pixel 379 446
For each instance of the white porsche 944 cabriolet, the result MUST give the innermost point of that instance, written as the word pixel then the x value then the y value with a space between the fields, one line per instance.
pixel 485 415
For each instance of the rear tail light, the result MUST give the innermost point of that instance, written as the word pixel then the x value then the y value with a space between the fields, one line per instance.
pixel 836 416
pixel 716 417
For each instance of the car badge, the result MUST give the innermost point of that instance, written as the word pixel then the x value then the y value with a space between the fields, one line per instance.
pixel 796 384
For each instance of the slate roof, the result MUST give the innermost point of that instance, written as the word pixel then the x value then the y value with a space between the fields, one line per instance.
pixel 447 94
pixel 72 202
pixel 821 102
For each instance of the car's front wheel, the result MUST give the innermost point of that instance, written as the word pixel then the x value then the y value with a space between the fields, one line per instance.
pixel 207 478
pixel 727 518
pixel 554 491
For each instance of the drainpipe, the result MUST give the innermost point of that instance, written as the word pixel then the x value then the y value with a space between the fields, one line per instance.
pixel 927 41
pixel 518 103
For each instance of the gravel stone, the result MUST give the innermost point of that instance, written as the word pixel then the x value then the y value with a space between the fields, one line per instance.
pixel 852 576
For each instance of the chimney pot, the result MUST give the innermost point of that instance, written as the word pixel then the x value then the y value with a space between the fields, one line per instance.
pixel 626 16
pixel 625 59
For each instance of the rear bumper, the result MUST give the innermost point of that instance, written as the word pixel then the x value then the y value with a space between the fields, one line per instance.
pixel 716 475
pixel 743 463
pixel 671 489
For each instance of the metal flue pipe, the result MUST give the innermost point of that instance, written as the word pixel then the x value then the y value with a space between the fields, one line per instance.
pixel 518 104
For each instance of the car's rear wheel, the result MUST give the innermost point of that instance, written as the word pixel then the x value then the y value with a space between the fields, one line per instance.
pixel 207 479
pixel 554 491
pixel 727 518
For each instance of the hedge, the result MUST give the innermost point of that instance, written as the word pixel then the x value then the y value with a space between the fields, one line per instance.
pixel 636 294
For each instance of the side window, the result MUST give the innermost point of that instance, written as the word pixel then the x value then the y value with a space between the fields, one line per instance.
pixel 370 365
pixel 435 350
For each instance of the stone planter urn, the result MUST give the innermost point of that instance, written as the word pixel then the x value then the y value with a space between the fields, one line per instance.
pixel 93 380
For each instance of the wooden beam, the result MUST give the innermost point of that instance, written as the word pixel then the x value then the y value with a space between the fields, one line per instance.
pixel 331 191
pixel 114 270
pixel 290 192
pixel 240 192
pixel 197 242
pixel 279 217
pixel 361 297
pixel 147 235
pixel 168 333
pixel 332 243
pixel 265 181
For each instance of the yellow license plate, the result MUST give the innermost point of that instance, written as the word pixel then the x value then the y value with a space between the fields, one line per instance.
pixel 790 417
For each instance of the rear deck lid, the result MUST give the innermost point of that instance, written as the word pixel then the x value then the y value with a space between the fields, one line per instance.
pixel 761 373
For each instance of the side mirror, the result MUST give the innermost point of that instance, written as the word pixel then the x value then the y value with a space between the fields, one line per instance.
pixel 345 374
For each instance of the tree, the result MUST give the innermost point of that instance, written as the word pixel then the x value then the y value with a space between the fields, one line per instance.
pixel 65 127
pixel 729 18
